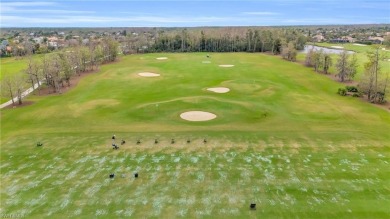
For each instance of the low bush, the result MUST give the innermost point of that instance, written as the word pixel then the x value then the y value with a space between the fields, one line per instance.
pixel 342 92
pixel 351 89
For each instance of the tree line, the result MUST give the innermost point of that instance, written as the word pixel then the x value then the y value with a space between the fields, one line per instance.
pixel 57 69
pixel 215 40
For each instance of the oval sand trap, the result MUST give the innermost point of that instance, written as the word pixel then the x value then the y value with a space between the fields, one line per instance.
pixel 226 66
pixel 197 116
pixel 220 90
pixel 358 44
pixel 162 58
pixel 148 74
pixel 337 47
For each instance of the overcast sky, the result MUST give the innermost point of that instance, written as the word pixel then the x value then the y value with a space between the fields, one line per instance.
pixel 159 13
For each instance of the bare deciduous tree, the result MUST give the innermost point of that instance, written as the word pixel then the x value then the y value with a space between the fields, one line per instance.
pixel 372 82
pixel 8 88
pixel 19 82
pixel 343 66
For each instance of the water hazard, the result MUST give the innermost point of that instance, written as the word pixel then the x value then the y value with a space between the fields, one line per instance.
pixel 327 50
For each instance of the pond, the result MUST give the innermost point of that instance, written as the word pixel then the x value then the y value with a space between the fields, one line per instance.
pixel 327 50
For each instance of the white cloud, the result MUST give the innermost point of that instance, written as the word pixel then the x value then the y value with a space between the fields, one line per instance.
pixel 305 21
pixel 39 21
pixel 260 13
pixel 26 4
pixel 11 10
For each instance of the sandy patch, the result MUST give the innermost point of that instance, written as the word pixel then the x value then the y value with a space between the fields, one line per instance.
pixel 226 66
pixel 358 44
pixel 206 62
pixel 220 90
pixel 337 47
pixel 197 116
pixel 148 74
pixel 162 58
pixel 388 60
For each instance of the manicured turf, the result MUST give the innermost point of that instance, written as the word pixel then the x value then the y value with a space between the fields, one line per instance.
pixel 283 138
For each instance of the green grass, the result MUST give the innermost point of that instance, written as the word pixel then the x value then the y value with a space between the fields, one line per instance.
pixel 283 138
pixel 12 66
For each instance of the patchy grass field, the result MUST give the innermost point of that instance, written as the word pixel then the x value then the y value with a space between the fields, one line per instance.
pixel 282 139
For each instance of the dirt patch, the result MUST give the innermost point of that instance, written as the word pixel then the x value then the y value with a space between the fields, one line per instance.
pixel 197 116
pixel 73 83
pixel 206 62
pixel 226 66
pixel 148 74
pixel 46 91
pixel 219 90
pixel 80 108
pixel 335 78
pixel 358 44
pixel 162 58
pixel 24 103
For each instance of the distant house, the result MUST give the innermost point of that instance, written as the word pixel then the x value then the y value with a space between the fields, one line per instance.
pixel 338 40
pixel 5 49
pixel 52 44
pixel 318 38
pixel 345 39
pixel 51 39
pixel 38 40
pixel 350 39
pixel 376 40
pixel 85 41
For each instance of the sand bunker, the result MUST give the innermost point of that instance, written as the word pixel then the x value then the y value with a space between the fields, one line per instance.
pixel 220 90
pixel 197 116
pixel 162 58
pixel 148 74
pixel 337 47
pixel 358 44
pixel 206 62
pixel 226 66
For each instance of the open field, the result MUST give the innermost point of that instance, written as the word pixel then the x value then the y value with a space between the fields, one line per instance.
pixel 282 138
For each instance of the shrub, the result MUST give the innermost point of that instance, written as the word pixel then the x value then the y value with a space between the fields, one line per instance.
pixel 351 89
pixel 342 92
pixel 364 42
